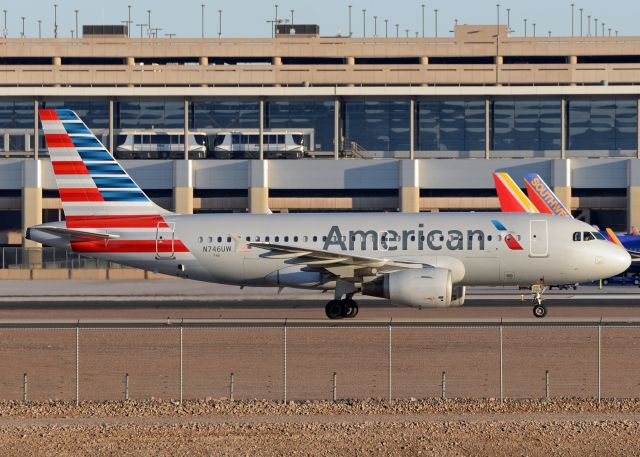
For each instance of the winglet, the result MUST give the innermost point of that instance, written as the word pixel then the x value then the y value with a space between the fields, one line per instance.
pixel 512 199
pixel 613 237
pixel 543 197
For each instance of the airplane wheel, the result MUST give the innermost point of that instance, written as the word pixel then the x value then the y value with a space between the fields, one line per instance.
pixel 351 308
pixel 334 309
pixel 539 311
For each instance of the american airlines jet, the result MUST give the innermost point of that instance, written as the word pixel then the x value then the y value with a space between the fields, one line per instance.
pixel 419 260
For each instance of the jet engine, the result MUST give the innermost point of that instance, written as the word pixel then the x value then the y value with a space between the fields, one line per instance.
pixel 417 288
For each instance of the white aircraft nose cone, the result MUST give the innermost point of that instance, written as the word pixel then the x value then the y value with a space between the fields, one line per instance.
pixel 617 261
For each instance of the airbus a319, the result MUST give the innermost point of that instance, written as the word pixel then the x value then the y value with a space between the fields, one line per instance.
pixel 419 260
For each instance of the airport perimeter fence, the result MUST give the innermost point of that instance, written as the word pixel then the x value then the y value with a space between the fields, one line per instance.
pixel 286 361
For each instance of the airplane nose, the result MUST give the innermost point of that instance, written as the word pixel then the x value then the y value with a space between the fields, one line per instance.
pixel 618 260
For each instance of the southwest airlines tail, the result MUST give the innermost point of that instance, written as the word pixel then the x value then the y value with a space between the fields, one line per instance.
pixel 512 199
pixel 95 191
pixel 543 197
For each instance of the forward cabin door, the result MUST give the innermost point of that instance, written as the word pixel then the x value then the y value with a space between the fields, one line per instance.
pixel 165 240
pixel 539 239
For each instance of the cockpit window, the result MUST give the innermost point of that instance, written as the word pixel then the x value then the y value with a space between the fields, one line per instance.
pixel 577 236
pixel 588 236
pixel 599 236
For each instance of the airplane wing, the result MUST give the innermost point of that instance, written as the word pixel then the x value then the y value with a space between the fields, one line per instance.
pixel 78 234
pixel 345 266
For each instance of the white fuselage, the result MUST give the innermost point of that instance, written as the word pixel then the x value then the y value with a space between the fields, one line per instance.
pixel 521 249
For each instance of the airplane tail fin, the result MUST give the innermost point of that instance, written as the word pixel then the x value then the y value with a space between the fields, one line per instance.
pixel 512 199
pixel 543 197
pixel 95 190
pixel 613 237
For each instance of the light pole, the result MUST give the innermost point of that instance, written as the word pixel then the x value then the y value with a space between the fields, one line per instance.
pixel 602 29
pixel 364 23
pixel 423 5
pixel 609 31
pixel 276 19
pixel 5 32
pixel 292 11
pixel 525 27
pixel 386 28
pixel 588 25
pixel 129 23
pixel 581 21
pixel 350 21
pixel 219 23
pixel 39 28
pixel 202 20
pixel 595 29
pixel 141 28
pixel 397 30
pixel 55 20
pixel 22 34
pixel 149 32
pixel 572 11
pixel 534 29
pixel 508 20
pixel 407 32
pixel 549 33
pixel 77 35
pixel 375 26
pixel 436 22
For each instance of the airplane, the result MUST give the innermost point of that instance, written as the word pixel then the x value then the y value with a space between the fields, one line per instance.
pixel 420 260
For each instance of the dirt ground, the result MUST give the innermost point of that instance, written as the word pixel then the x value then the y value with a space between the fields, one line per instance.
pixel 350 428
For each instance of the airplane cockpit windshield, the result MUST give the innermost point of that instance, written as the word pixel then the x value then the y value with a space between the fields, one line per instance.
pixel 588 236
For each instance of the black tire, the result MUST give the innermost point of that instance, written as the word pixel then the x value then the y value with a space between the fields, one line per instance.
pixel 334 309
pixel 350 308
pixel 539 311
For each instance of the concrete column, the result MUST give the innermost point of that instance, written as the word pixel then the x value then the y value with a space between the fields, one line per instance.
pixel 31 203
pixel 351 60
pixel 261 130
pixel 336 129
pixel 204 61
pixel 409 186
pixel 112 148
pixel 131 61
pixel 258 186
pixel 186 129
pixel 183 186
pixel 573 60
pixel 633 194
pixel 424 60
pixel 412 113
pixel 36 129
pixel 563 128
pixel 561 181
pixel 276 60
pixel 487 128
pixel 56 61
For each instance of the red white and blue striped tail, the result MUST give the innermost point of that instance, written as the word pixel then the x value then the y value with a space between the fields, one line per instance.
pixel 95 190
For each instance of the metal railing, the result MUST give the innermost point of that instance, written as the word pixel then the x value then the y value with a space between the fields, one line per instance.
pixel 303 360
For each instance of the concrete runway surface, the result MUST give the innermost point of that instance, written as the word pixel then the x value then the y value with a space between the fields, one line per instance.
pixel 369 361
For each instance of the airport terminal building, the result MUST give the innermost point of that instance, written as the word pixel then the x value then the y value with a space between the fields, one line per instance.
pixel 348 124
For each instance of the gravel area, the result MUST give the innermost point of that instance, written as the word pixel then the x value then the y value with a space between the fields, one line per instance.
pixel 373 427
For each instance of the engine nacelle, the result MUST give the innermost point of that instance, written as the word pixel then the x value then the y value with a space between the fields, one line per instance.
pixel 417 288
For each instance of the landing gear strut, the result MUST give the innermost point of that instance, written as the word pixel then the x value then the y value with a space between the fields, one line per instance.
pixel 339 309
pixel 539 310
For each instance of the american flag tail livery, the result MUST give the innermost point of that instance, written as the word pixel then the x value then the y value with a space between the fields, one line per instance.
pixel 512 199
pixel 105 210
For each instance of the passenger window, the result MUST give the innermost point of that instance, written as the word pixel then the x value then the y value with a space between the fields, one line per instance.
pixel 257 238
pixel 489 237
pixel 266 239
pixel 577 236
pixel 295 239
pixel 588 236
pixel 286 239
pixel 200 239
pixel 219 239
pixel 228 239
pixel 315 238
pixel 305 238
pixel 248 238
pixel 210 239
pixel 413 237
pixel 324 238
pixel 277 239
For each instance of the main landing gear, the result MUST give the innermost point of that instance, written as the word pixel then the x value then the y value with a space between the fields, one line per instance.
pixel 339 309
pixel 539 310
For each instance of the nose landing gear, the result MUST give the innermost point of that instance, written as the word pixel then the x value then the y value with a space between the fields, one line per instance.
pixel 539 310
pixel 339 309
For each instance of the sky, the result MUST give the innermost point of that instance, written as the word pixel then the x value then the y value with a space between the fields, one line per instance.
pixel 248 18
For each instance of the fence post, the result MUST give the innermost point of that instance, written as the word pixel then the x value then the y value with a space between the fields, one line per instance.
pixel 181 359
pixel 126 386
pixel 546 384
pixel 78 363
pixel 231 387
pixel 443 386
pixel 334 387
pixel 501 361
pixel 284 374
pixel 24 388
pixel 599 360
pixel 389 380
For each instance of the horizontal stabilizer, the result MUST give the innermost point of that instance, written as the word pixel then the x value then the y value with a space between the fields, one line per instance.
pixel 77 234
